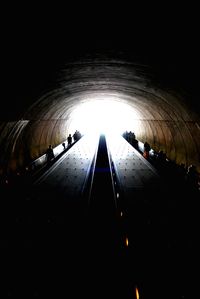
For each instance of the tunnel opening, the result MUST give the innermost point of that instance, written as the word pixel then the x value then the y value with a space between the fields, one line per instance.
pixel 104 115
pixel 103 96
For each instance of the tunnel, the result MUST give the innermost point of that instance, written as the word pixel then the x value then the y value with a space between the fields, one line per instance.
pixel 157 114
pixel 57 67
pixel 133 231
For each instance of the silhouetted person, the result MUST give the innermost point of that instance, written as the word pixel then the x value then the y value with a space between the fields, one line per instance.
pixel 125 135
pixel 77 135
pixel 63 144
pixel 135 144
pixel 69 140
pixel 147 149
pixel 50 154
pixel 131 137
pixel 161 157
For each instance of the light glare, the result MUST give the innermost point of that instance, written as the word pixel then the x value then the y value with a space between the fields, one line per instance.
pixel 103 116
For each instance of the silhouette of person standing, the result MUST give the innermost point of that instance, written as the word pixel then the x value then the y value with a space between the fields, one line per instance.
pixel 50 154
pixel 147 149
pixel 69 140
pixel 63 144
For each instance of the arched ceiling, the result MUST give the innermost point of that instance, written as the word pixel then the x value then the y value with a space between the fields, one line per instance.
pixel 129 82
pixel 164 118
pixel 131 57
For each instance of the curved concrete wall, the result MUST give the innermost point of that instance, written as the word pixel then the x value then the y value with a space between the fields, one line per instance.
pixel 165 120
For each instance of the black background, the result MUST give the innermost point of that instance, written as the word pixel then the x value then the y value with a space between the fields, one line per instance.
pixel 36 40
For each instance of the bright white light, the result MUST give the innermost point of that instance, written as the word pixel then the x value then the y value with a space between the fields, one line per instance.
pixel 103 116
